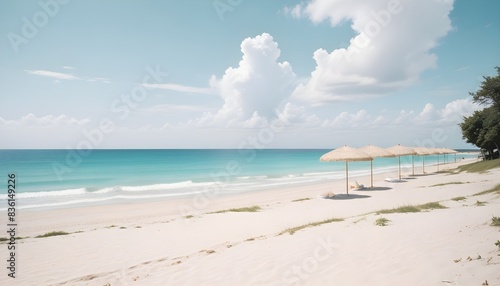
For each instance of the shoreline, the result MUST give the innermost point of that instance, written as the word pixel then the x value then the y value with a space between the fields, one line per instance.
pixel 212 201
pixel 232 188
pixel 152 243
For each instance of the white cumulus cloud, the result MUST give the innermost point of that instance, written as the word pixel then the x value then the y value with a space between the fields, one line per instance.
pixel 344 119
pixel 295 11
pixel 392 47
pixel 255 89
pixel 457 109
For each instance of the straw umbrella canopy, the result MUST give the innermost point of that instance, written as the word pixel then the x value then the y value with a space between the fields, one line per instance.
pixel 451 151
pixel 439 151
pixel 422 151
pixel 375 151
pixel 447 151
pixel 399 151
pixel 454 152
pixel 346 154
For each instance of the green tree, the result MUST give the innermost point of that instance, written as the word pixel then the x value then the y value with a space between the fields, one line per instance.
pixel 483 127
pixel 471 128
pixel 489 92
pixel 492 127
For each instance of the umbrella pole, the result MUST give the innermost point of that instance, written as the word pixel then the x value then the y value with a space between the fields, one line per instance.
pixel 399 164
pixel 371 172
pixel 412 165
pixel 347 177
pixel 438 162
pixel 423 165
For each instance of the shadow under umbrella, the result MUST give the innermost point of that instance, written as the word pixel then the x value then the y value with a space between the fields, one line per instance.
pixel 423 175
pixel 374 189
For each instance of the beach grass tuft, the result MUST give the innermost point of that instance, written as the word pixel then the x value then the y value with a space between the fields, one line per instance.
pixel 52 233
pixel 412 209
pixel 297 228
pixel 480 204
pixel 495 189
pixel 498 244
pixel 382 221
pixel 251 209
pixel 480 167
pixel 431 206
pixel 189 216
pixel 300 200
pixel 403 209
pixel 456 199
pixel 4 239
pixel 495 221
pixel 450 183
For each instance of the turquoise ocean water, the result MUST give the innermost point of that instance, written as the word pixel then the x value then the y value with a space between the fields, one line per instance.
pixel 66 178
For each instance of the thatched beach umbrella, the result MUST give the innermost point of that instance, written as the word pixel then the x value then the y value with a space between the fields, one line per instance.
pixel 399 151
pixel 451 151
pixel 438 151
pixel 455 152
pixel 446 151
pixel 374 152
pixel 422 151
pixel 346 154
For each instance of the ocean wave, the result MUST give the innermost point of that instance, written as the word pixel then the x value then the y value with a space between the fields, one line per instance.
pixel 68 192
pixel 251 177
pixel 106 190
pixel 97 200
pixel 161 187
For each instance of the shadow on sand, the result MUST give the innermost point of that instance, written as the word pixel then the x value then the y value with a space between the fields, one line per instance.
pixel 403 180
pixel 347 197
pixel 374 189
pixel 422 175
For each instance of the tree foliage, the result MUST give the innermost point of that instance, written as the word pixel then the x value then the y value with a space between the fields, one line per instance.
pixel 483 127
pixel 489 92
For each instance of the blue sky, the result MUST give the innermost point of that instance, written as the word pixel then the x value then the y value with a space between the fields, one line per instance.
pixel 226 73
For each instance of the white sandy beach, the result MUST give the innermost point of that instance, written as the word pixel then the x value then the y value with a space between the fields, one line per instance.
pixel 155 244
